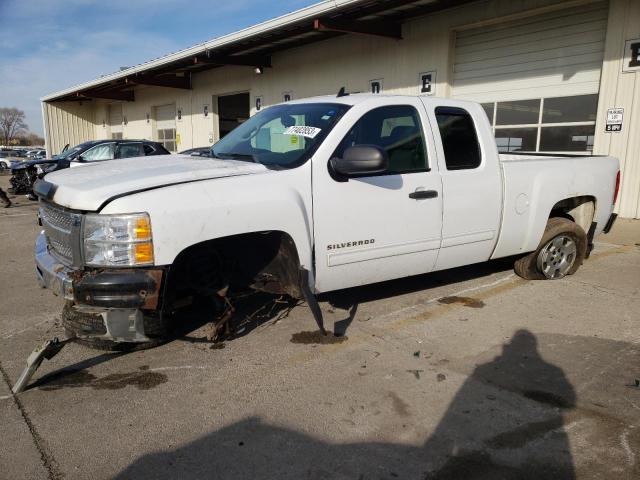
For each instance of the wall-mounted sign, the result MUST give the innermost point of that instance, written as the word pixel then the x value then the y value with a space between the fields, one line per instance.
pixel 427 82
pixel 614 120
pixel 287 96
pixel 258 103
pixel 205 110
pixel 631 59
pixel 376 85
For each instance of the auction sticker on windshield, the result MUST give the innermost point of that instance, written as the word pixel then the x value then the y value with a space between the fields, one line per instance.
pixel 303 131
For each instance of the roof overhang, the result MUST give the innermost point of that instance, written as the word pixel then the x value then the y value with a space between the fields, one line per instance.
pixel 254 46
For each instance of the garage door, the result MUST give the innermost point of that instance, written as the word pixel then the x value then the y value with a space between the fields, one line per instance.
pixel 538 78
pixel 166 126
pixel 115 120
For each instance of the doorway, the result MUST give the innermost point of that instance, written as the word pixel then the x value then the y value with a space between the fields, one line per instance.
pixel 232 111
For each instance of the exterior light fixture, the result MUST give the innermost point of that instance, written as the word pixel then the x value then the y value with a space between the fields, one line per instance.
pixel 148 118
pixel 259 70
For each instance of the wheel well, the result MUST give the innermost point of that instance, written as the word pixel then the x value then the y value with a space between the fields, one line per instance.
pixel 265 261
pixel 580 210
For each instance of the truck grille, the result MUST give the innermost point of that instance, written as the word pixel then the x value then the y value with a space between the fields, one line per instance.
pixel 62 230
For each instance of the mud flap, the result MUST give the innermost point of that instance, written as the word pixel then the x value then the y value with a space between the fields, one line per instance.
pixel 48 350
pixel 311 300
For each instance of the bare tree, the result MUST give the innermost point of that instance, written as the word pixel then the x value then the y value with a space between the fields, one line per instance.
pixel 12 124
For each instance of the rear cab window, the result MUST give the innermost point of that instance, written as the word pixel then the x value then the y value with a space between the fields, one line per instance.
pixel 397 130
pixel 459 138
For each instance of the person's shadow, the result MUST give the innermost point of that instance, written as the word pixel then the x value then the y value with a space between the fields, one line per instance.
pixel 532 395
pixel 505 422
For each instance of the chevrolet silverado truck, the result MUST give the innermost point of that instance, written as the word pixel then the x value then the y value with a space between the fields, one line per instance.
pixel 306 197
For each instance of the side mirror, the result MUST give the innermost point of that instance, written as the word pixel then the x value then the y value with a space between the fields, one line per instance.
pixel 361 160
pixel 79 158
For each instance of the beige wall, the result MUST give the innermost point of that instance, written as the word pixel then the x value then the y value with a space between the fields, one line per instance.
pixel 67 122
pixel 622 89
pixel 352 61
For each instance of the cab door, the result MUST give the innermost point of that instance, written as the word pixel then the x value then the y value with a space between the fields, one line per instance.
pixel 471 182
pixel 379 227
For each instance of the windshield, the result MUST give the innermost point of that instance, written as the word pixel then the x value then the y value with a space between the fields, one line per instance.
pixel 71 152
pixel 283 135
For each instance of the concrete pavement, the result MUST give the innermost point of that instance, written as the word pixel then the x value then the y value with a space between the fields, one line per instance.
pixel 469 373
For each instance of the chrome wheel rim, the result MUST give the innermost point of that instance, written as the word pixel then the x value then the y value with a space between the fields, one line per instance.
pixel 557 257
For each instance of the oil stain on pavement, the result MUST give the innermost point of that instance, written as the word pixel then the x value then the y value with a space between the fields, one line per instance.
pixel 317 338
pixel 466 301
pixel 142 380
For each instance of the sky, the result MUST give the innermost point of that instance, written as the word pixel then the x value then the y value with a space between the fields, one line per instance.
pixel 49 45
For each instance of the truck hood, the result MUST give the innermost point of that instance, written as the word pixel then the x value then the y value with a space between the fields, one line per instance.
pixel 89 187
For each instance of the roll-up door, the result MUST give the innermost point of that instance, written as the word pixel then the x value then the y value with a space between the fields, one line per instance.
pixel 559 53
pixel 115 120
pixel 166 126
pixel 537 78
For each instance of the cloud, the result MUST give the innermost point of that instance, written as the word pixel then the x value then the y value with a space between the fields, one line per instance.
pixel 52 45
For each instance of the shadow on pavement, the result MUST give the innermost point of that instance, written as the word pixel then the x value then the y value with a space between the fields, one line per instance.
pixel 505 422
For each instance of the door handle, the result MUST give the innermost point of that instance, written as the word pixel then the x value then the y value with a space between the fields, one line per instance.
pixel 421 194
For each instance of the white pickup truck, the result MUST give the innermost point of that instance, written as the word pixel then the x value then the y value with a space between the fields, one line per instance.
pixel 306 197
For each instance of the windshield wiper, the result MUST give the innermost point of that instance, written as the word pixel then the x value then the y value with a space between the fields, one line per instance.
pixel 237 156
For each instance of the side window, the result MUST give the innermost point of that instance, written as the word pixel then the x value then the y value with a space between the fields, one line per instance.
pixel 126 150
pixel 99 152
pixel 148 149
pixel 397 130
pixel 459 139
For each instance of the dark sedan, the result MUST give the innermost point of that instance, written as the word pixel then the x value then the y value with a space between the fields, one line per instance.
pixel 24 174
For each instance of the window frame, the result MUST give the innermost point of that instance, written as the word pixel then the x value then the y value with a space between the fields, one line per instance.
pixel 539 126
pixel 389 172
pixel 455 108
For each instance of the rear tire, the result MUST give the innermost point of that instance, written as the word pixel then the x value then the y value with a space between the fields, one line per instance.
pixel 78 323
pixel 561 252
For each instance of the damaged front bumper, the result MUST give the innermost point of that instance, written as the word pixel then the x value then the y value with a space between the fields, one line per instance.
pixel 119 296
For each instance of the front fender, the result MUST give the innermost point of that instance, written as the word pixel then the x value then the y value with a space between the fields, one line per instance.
pixel 185 214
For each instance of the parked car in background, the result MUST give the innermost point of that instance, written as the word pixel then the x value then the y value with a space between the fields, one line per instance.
pixel 24 174
pixel 197 152
pixel 5 161
pixel 36 154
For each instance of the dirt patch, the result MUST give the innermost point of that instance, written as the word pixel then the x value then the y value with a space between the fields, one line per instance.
pixel 400 406
pixel 316 338
pixel 466 301
pixel 218 346
pixel 142 380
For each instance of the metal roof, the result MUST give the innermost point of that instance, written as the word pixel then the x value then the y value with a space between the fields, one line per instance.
pixel 254 46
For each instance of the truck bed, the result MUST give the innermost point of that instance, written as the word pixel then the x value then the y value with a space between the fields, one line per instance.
pixel 531 188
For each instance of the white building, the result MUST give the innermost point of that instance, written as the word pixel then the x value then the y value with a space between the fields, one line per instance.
pixel 554 76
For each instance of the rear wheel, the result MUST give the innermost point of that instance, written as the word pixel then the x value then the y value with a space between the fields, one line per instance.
pixel 560 253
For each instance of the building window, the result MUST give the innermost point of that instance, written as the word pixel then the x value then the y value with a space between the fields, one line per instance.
pixel 167 137
pixel 557 124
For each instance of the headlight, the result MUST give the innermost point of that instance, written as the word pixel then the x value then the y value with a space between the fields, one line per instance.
pixel 117 240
